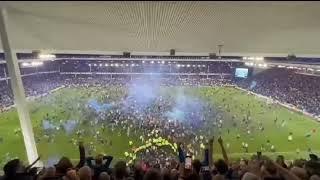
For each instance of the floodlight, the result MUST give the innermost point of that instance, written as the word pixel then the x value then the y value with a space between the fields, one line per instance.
pixel 25 64
pixel 46 56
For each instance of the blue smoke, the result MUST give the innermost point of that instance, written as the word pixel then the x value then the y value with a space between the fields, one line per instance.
pixel 176 114
pixel 69 126
pixel 186 109
pixel 99 107
pixel 141 94
pixel 47 125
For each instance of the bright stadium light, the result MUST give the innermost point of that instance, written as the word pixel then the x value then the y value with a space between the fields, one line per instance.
pixel 162 62
pixel 100 65
pixel 193 65
pixel 132 65
pixel 203 65
pixel 159 62
pixel 188 65
pixel 111 65
pixel 152 62
pixel 95 65
pixel 106 65
pixel 25 64
pixel 178 65
pixel 182 65
pixel 89 64
pixel 127 65
pixel 36 63
pixel 121 65
pixel 116 65
pixel 244 58
pixel 143 61
pixel 259 58
pixel 46 56
pixel 199 65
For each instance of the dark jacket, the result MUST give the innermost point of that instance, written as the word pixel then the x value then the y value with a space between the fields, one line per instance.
pixel 99 168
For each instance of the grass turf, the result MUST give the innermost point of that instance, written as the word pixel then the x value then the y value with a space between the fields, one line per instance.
pixel 68 103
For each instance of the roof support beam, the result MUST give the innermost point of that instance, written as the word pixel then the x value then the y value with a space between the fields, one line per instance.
pixel 18 89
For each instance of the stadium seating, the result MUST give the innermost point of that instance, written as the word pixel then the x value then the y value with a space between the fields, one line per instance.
pixel 281 84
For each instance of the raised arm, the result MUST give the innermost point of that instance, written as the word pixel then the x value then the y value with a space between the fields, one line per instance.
pixel 210 152
pixel 205 162
pixel 224 153
pixel 82 155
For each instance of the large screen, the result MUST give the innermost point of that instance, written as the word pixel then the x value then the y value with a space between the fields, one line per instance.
pixel 241 72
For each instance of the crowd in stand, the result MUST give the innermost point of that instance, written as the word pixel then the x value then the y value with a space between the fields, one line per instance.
pixel 284 85
pixel 287 86
pixel 259 167
pixel 33 85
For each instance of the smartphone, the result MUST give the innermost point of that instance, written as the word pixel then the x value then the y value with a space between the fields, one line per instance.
pixel 93 162
pixel 188 162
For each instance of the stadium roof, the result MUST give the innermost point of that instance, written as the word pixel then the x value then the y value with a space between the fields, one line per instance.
pixel 191 27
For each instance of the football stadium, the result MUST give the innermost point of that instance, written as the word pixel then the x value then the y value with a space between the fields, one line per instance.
pixel 160 90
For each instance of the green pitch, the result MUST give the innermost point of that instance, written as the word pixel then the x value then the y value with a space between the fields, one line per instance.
pixel 66 104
